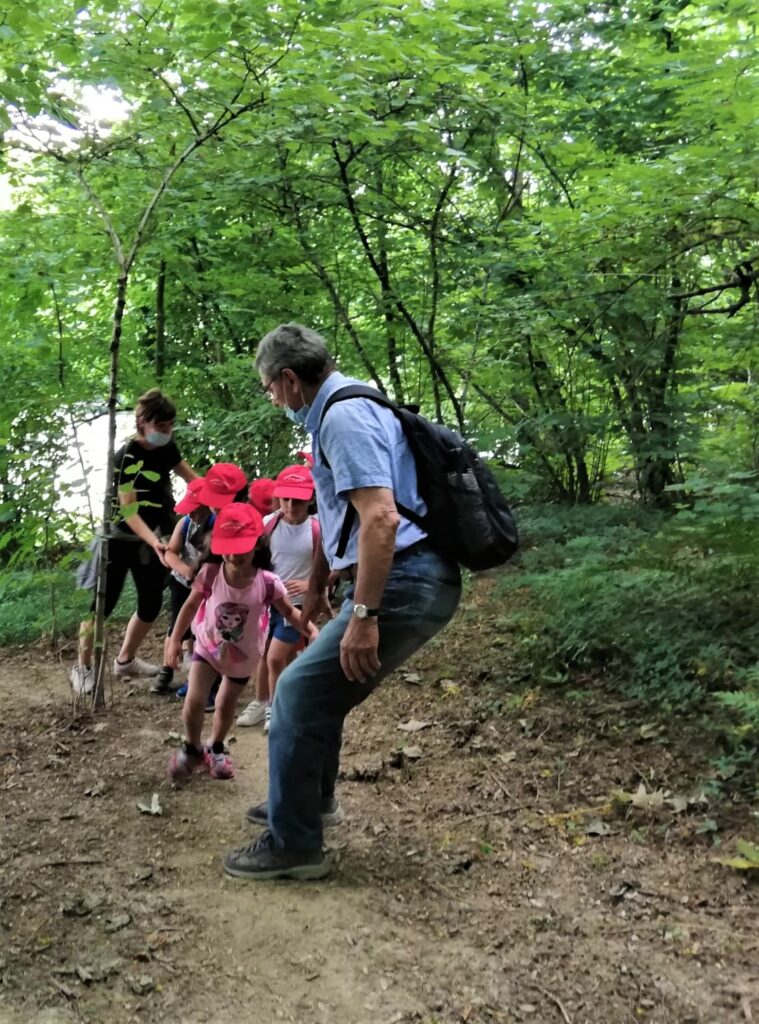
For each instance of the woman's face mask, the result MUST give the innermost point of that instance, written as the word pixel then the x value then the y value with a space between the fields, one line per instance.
pixel 153 436
pixel 157 439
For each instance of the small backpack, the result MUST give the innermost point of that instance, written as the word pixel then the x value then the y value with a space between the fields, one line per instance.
pixel 468 519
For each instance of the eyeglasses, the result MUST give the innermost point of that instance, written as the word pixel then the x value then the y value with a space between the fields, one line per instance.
pixel 266 388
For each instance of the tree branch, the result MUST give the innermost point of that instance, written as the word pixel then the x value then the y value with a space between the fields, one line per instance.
pixel 105 217
pixel 742 277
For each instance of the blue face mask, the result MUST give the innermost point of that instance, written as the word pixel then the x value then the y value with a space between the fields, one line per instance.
pixel 298 416
pixel 157 439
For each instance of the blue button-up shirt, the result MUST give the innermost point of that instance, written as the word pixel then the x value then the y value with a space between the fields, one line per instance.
pixel 365 446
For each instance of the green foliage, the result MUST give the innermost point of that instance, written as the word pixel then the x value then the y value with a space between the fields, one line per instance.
pixel 531 228
pixel 34 603
pixel 665 605
pixel 499 224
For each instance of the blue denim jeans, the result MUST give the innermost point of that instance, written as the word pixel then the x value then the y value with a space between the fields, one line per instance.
pixel 313 695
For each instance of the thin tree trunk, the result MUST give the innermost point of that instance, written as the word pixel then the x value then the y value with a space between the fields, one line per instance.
pixel 160 322
pixel 386 295
pixel 98 695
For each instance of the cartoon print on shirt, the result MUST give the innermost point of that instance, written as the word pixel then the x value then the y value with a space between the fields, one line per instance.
pixel 230 620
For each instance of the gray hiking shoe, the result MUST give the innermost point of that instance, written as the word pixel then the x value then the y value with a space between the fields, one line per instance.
pixel 134 669
pixel 332 814
pixel 261 861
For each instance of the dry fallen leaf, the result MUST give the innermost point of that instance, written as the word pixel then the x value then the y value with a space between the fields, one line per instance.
pixel 648 801
pixel 412 753
pixel 117 922
pixel 641 798
pixel 413 725
pixel 154 807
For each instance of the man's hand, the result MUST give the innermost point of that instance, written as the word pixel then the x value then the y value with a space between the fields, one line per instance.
pixel 358 650
pixel 314 605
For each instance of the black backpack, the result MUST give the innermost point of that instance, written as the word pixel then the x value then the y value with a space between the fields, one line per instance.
pixel 467 518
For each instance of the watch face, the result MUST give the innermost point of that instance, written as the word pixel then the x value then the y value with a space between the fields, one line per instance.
pixel 359 610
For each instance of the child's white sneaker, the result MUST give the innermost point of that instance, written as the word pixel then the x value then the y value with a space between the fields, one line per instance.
pixel 253 714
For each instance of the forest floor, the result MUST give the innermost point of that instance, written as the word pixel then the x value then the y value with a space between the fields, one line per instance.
pixel 486 875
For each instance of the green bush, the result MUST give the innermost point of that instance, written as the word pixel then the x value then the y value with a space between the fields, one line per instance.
pixel 27 599
pixel 667 605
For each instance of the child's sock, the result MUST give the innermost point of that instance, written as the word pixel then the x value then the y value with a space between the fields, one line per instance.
pixel 218 746
pixel 192 750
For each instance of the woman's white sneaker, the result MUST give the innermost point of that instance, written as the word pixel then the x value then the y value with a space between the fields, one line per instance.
pixel 253 714
pixel 82 679
pixel 134 669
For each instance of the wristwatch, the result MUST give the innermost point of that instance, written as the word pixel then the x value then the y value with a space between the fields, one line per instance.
pixel 362 612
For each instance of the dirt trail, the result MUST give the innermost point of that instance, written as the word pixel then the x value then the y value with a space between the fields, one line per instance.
pixel 460 893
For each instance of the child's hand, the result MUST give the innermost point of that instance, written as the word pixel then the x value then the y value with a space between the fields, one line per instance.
pixel 312 632
pixel 173 653
pixel 296 587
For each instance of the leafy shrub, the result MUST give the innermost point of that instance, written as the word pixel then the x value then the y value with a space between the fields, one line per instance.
pixel 667 604
pixel 26 605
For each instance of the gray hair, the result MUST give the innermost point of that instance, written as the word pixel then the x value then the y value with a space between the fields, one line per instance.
pixel 293 347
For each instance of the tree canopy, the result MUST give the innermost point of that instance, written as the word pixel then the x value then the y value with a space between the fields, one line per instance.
pixel 537 221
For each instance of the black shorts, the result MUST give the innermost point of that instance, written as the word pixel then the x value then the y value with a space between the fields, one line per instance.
pixel 125 556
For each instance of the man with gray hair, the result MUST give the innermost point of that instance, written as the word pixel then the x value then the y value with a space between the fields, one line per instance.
pixel 404 592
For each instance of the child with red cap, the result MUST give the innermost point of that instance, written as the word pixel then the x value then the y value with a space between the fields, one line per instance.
pixel 295 538
pixel 188 548
pixel 183 555
pixel 225 607
pixel 223 483
pixel 261 495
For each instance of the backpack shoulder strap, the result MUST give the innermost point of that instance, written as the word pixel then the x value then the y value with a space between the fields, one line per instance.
pixel 316 535
pixel 268 586
pixel 185 527
pixel 353 391
pixel 364 391
pixel 273 523
pixel 210 571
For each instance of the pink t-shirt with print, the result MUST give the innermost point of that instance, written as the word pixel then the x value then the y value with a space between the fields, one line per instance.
pixel 227 626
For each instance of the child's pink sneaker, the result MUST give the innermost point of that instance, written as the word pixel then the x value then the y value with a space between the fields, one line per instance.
pixel 183 764
pixel 219 765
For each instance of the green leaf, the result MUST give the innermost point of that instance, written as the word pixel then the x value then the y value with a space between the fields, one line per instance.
pixel 749 850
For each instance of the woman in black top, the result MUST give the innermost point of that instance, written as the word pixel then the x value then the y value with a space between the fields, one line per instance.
pixel 145 462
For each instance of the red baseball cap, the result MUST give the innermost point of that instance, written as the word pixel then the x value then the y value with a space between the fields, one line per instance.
pixel 260 494
pixel 307 458
pixel 236 530
pixel 190 502
pixel 221 485
pixel 295 482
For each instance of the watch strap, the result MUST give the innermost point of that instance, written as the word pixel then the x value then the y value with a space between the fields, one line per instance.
pixel 371 613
